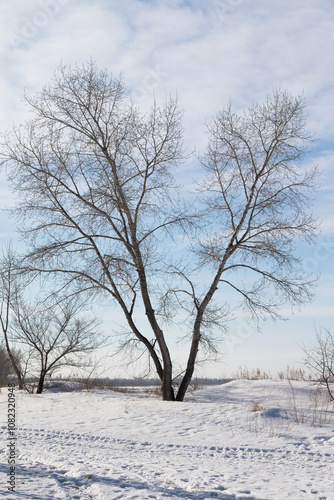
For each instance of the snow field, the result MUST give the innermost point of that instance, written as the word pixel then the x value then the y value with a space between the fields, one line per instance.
pixel 235 441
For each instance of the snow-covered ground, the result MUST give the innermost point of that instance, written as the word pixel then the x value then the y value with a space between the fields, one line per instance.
pixel 235 441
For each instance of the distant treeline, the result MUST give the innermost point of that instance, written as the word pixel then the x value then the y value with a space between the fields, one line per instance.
pixel 144 382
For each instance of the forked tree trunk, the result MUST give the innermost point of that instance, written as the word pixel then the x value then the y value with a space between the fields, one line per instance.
pixel 190 367
pixel 167 387
pixel 197 327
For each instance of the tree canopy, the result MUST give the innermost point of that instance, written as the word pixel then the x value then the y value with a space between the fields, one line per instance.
pixel 99 208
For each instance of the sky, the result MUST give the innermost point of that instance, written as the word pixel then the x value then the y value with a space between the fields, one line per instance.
pixel 208 53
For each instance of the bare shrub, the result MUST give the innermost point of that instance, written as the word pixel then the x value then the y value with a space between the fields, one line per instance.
pixel 315 409
pixel 320 360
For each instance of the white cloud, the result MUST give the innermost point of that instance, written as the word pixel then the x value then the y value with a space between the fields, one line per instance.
pixel 207 51
pixel 236 49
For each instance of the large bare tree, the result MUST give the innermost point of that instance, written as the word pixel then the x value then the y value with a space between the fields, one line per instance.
pixel 100 206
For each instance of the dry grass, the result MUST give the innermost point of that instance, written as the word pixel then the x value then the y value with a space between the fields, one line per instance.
pixel 257 406
pixel 243 373
pixel 315 410
pixel 294 374
pixel 140 391
pixel 312 407
pixel 290 373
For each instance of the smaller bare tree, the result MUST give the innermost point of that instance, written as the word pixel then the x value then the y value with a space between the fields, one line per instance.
pixel 10 293
pixel 58 336
pixel 6 368
pixel 320 360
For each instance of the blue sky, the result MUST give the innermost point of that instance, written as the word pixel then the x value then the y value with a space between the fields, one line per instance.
pixel 208 52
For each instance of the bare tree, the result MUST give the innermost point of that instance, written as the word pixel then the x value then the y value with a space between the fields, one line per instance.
pixel 57 337
pixel 10 293
pixel 320 360
pixel 256 197
pixel 101 206
pixel 6 368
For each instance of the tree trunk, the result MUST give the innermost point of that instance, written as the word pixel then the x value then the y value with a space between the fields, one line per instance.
pixel 167 388
pixel 41 382
pixel 185 383
pixel 197 327
pixel 20 379
pixel 190 366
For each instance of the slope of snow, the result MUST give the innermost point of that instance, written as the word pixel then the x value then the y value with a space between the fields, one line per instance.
pixel 257 440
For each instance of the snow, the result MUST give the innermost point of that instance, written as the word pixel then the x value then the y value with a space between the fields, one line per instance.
pixel 260 440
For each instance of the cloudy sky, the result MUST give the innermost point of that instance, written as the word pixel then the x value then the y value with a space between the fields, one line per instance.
pixel 209 52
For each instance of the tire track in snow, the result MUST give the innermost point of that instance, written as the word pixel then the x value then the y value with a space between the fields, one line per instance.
pixel 120 468
pixel 142 469
pixel 301 450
